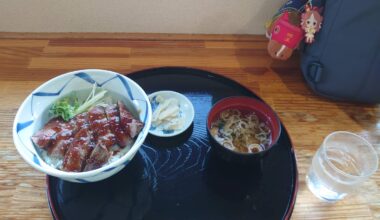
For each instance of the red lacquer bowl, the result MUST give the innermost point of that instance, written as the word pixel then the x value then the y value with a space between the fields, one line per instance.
pixel 244 104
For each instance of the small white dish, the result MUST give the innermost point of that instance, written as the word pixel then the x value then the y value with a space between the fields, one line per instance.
pixel 186 113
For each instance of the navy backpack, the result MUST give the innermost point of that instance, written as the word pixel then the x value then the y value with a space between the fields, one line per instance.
pixel 344 61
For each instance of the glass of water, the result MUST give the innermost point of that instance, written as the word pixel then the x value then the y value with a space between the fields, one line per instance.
pixel 341 164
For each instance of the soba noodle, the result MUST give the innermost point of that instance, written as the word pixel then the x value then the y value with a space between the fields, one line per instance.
pixel 241 132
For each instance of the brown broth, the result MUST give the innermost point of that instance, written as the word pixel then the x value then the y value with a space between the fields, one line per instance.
pixel 238 139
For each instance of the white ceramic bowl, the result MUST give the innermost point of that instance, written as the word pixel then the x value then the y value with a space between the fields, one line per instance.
pixel 186 112
pixel 33 114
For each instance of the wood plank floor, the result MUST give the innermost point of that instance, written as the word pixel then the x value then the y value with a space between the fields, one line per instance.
pixel 27 60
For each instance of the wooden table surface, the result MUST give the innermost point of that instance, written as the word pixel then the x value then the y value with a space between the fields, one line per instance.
pixel 27 60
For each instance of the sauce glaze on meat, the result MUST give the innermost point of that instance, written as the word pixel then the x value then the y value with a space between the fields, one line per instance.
pixel 87 141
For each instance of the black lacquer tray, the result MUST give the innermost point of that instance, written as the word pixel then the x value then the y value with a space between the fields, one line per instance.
pixel 181 177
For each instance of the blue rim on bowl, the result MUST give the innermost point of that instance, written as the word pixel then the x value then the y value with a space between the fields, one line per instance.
pixel 32 114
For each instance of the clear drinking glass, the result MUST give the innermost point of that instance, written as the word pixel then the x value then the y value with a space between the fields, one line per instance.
pixel 341 164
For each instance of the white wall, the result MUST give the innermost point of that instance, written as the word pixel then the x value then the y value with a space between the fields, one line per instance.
pixel 149 16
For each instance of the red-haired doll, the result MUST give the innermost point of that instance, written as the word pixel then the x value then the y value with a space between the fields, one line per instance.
pixel 311 22
pixel 289 27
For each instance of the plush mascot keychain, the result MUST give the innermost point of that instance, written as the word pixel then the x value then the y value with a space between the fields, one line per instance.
pixel 296 21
